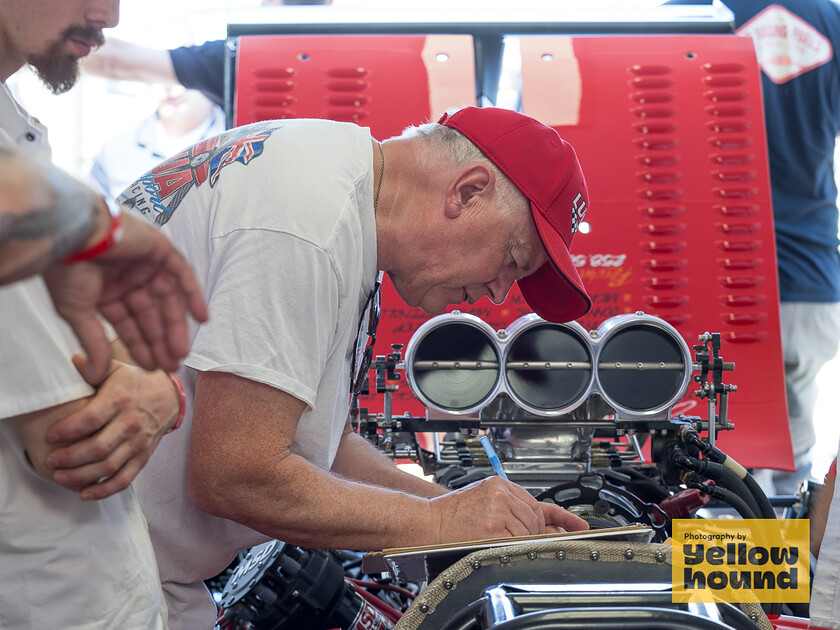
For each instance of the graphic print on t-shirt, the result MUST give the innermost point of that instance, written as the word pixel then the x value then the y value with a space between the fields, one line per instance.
pixel 785 44
pixel 160 191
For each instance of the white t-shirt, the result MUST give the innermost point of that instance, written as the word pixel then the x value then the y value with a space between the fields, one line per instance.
pixel 825 591
pixel 64 563
pixel 277 220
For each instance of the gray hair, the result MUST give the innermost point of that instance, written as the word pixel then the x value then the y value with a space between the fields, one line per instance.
pixel 449 147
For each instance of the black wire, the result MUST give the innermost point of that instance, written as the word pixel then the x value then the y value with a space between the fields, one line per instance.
pixel 642 481
pixel 736 502
pixel 730 498
pixel 767 510
pixel 720 474
pixel 743 510
pixel 734 483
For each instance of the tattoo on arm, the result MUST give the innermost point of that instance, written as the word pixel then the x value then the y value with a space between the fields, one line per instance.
pixel 34 224
pixel 68 222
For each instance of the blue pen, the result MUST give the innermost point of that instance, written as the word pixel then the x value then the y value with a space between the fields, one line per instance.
pixel 494 459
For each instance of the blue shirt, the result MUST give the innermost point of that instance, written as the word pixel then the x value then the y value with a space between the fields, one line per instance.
pixel 795 41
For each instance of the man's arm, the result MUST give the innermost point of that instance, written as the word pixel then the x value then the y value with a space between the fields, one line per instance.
pixel 358 459
pixel 820 508
pixel 45 215
pixel 200 67
pixel 99 447
pixel 241 468
pixel 124 61
pixel 33 427
pixel 135 277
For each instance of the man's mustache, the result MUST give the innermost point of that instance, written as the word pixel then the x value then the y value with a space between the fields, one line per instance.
pixel 89 34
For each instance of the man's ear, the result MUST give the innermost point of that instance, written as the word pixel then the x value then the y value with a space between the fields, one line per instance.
pixel 473 181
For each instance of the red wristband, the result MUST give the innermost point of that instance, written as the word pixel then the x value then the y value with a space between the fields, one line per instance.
pixel 111 238
pixel 182 402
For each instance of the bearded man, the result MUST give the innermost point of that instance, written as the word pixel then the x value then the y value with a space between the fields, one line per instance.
pixel 74 549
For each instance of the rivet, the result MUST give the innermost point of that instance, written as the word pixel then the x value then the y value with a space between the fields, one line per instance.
pixel 660 557
pixel 753 616
pixel 424 608
pixel 504 559
pixel 476 565
pixel 629 554
pixel 30 136
pixel 560 555
pixel 594 555
pixel 532 555
pixel 448 585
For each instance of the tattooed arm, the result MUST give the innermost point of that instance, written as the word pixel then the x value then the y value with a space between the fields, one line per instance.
pixel 44 215
pixel 139 282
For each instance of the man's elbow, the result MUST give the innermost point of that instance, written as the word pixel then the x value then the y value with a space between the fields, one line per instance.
pixel 208 491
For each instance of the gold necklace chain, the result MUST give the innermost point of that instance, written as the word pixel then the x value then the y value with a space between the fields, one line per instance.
pixel 381 176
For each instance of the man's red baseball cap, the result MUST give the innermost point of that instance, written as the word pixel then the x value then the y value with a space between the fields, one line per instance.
pixel 545 168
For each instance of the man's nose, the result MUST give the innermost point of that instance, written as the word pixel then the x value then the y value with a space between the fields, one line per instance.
pixel 103 13
pixel 498 288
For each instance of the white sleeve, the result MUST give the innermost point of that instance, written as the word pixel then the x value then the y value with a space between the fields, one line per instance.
pixel 273 300
pixel 825 591
pixel 35 350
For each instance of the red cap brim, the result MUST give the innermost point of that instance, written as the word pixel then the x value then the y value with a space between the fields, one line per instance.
pixel 555 291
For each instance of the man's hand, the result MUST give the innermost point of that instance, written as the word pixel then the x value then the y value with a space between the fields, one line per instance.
pixel 496 508
pixel 100 449
pixel 143 287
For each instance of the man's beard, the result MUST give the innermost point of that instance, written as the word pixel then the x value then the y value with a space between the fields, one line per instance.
pixel 58 70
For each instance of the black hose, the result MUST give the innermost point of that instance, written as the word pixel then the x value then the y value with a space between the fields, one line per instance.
pixel 764 504
pixel 720 474
pixel 730 498
pixel 744 510
pixel 736 502
pixel 735 484
pixel 765 508
pixel 642 481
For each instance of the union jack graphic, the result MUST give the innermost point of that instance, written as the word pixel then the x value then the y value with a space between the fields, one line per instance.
pixel 165 186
